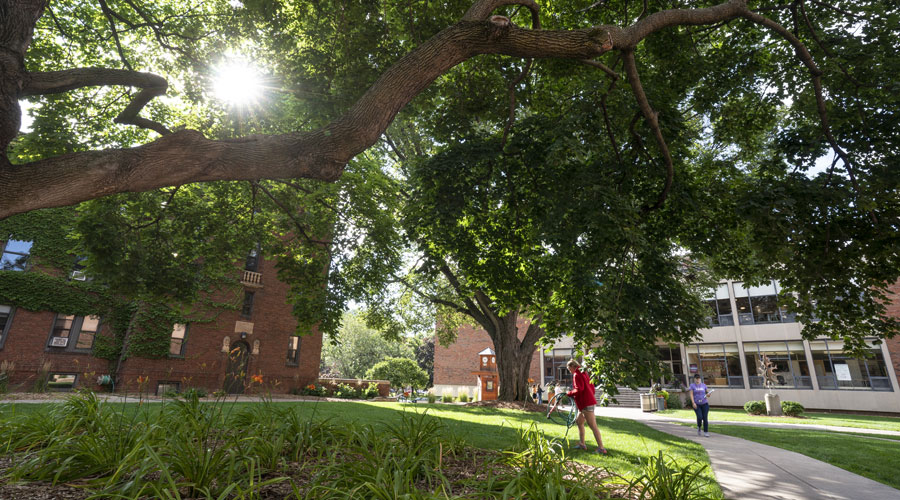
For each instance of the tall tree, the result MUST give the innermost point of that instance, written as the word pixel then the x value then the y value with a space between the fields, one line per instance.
pixel 727 107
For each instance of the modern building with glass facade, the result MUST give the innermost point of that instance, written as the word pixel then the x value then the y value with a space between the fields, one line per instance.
pixel 747 322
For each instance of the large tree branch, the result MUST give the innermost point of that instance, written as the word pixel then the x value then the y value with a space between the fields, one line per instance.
pixel 187 156
pixel 54 82
pixel 652 119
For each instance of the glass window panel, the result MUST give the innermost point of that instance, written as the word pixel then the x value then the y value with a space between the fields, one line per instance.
pixel 90 323
pixel 739 290
pixel 89 326
pixel 176 343
pixel 178 331
pixel 18 246
pixel 745 314
pixel 63 325
pixel 765 309
pixel 722 291
pixel 4 317
pixel 765 289
pixel 13 262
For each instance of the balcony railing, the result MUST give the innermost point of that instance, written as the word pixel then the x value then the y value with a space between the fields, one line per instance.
pixel 251 278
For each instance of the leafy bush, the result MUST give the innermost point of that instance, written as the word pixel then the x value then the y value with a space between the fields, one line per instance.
pixel 431 397
pixel 755 407
pixel 371 391
pixel 447 398
pixel 171 394
pixel 400 372
pixel 674 402
pixel 314 390
pixel 792 408
pixel 346 391
pixel 464 397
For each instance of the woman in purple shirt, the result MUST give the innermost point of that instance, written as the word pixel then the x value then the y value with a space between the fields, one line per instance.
pixel 698 394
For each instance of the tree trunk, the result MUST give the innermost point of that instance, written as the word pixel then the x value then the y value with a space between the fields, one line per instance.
pixel 514 356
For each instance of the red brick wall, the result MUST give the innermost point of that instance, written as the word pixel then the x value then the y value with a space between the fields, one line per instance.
pixel 893 345
pixel 454 365
pixel 203 364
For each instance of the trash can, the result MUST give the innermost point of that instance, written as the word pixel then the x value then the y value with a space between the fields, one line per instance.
pixel 648 402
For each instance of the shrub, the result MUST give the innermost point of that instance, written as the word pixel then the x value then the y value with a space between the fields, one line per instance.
pixel 464 397
pixel 755 407
pixel 447 398
pixel 314 390
pixel 371 391
pixel 345 391
pixel 792 408
pixel 674 402
pixel 171 394
pixel 431 397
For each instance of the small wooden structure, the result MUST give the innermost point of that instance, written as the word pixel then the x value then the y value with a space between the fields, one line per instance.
pixel 487 376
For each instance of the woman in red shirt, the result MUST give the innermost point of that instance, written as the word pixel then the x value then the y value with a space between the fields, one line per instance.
pixel 583 393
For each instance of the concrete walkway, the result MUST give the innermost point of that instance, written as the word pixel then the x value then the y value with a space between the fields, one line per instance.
pixel 637 414
pixel 749 471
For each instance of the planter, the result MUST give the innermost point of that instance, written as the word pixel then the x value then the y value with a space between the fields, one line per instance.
pixel 648 402
pixel 773 405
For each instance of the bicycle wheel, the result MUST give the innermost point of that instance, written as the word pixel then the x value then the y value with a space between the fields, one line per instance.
pixel 561 410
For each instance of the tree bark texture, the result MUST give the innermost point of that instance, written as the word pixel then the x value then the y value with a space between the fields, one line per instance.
pixel 187 156
pixel 514 355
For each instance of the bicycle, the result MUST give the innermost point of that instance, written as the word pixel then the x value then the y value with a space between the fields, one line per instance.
pixel 561 410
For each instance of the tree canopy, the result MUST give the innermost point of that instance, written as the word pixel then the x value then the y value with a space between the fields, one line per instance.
pixel 588 165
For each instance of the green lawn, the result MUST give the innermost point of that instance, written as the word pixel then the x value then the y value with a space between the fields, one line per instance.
pixel 871 458
pixel 834 419
pixel 628 442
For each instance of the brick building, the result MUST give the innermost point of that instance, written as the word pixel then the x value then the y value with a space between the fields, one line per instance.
pixel 746 322
pixel 455 366
pixel 224 353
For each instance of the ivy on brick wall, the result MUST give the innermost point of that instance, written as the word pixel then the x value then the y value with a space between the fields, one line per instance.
pixel 46 287
pixel 49 229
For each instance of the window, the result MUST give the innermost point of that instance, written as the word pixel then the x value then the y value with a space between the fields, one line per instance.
pixel 176 342
pixel 671 357
pixel 73 333
pixel 252 262
pixel 247 309
pixel 759 304
pixel 6 313
pixel 89 327
pixel 837 370
pixel 788 361
pixel 15 255
pixel 61 381
pixel 718 364
pixel 293 353
pixel 720 307
pixel 555 366
pixel 78 273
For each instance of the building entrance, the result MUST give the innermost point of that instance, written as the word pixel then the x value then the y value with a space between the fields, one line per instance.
pixel 236 369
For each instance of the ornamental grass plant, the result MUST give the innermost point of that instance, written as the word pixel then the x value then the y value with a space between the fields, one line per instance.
pixel 186 448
